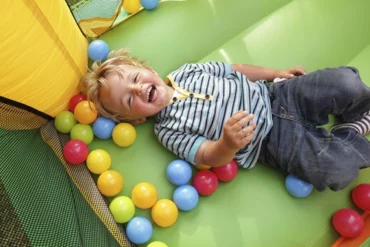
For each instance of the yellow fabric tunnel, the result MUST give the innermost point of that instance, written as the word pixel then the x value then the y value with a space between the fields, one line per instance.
pixel 44 54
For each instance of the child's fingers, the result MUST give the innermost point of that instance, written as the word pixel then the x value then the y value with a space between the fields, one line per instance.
pixel 246 131
pixel 299 70
pixel 242 122
pixel 236 117
pixel 248 138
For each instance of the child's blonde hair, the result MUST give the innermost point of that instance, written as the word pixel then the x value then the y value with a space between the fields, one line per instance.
pixel 93 81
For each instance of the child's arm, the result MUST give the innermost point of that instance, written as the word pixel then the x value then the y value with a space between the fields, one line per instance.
pixel 235 136
pixel 255 73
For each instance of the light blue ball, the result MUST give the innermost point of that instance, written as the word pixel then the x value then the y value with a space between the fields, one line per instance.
pixel 139 230
pixel 149 4
pixel 179 172
pixel 186 197
pixel 297 187
pixel 98 50
pixel 103 128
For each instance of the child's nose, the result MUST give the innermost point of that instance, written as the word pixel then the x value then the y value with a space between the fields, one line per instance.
pixel 136 89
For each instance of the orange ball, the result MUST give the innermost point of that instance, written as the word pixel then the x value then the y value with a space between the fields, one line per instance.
pixel 203 167
pixel 110 183
pixel 164 213
pixel 144 195
pixel 85 112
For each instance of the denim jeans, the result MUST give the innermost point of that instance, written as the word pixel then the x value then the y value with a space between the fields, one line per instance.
pixel 297 146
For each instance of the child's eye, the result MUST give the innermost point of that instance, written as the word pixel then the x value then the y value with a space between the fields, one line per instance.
pixel 136 78
pixel 130 101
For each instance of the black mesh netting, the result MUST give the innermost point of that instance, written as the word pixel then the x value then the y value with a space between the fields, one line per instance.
pixel 43 200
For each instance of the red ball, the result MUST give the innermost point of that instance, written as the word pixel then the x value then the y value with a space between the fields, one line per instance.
pixel 75 100
pixel 205 182
pixel 361 196
pixel 227 172
pixel 348 223
pixel 75 152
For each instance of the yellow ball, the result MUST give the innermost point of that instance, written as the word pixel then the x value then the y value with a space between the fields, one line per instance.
pixel 131 6
pixel 110 183
pixel 164 213
pixel 98 161
pixel 203 167
pixel 144 195
pixel 157 244
pixel 124 134
pixel 85 112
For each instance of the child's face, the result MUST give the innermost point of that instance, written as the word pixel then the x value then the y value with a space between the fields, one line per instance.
pixel 138 94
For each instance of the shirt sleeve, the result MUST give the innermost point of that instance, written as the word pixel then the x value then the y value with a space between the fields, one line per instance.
pixel 219 69
pixel 184 145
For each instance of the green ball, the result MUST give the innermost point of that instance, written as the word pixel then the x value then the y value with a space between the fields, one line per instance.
pixel 122 209
pixel 82 132
pixel 65 121
pixel 157 244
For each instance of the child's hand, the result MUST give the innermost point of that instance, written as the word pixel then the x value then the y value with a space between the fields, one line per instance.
pixel 291 72
pixel 235 134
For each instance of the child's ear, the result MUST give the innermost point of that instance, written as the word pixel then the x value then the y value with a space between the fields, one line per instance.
pixel 138 121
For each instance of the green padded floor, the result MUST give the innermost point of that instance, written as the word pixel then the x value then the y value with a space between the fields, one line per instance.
pixel 254 209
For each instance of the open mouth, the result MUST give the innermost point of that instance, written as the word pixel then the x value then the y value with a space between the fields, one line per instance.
pixel 151 92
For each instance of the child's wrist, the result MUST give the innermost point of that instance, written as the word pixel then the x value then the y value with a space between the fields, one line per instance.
pixel 223 146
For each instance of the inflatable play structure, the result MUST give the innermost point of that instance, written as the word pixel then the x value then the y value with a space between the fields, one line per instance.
pixel 45 201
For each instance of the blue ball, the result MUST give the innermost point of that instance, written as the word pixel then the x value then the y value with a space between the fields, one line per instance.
pixel 186 197
pixel 103 127
pixel 98 50
pixel 139 230
pixel 297 187
pixel 149 4
pixel 179 172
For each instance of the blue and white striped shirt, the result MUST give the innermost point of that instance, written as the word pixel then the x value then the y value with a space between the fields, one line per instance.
pixel 208 95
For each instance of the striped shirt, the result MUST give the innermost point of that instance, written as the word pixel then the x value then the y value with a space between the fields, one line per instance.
pixel 208 94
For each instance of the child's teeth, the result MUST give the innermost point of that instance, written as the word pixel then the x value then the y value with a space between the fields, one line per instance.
pixel 150 89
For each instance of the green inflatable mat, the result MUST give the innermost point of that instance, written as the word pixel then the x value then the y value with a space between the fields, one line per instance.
pixel 254 209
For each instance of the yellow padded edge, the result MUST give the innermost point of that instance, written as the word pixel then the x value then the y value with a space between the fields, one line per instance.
pixel 44 54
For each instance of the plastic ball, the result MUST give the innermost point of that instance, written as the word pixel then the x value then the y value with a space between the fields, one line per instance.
pixel 98 50
pixel 103 128
pixel 157 244
pixel 144 195
pixel 122 209
pixel 186 197
pixel 124 134
pixel 82 132
pixel 131 6
pixel 348 223
pixel 75 152
pixel 179 172
pixel 164 213
pixel 227 172
pixel 65 121
pixel 85 112
pixel 361 196
pixel 98 161
pixel 139 230
pixel 149 4
pixel 110 183
pixel 75 100
pixel 203 167
pixel 205 182
pixel 297 187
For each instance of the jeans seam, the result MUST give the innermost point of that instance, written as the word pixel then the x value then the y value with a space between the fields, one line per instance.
pixel 326 146
pixel 353 118
pixel 289 117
